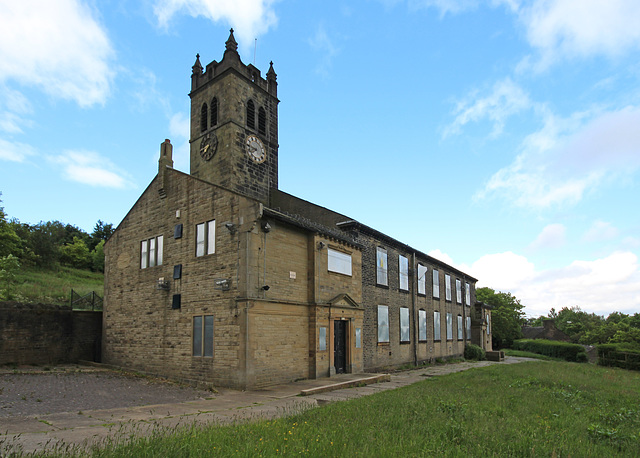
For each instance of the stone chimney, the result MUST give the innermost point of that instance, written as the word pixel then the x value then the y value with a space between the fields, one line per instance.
pixel 165 162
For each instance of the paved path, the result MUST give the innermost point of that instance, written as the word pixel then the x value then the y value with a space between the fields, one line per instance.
pixel 43 432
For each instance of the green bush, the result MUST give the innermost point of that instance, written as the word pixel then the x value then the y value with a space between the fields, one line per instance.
pixel 474 352
pixel 553 348
pixel 619 355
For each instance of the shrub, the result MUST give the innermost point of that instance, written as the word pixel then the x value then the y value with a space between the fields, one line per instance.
pixel 553 348
pixel 619 355
pixel 474 352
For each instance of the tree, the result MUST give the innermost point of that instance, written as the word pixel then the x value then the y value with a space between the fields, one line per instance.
pixel 576 323
pixel 101 231
pixel 97 257
pixel 9 267
pixel 10 243
pixel 76 254
pixel 507 316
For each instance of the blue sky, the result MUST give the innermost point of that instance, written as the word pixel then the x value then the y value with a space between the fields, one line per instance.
pixel 501 136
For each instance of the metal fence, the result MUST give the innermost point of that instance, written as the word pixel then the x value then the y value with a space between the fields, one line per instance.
pixel 90 301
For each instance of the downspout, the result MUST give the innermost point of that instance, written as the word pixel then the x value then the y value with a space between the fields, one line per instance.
pixel 412 285
pixel 464 310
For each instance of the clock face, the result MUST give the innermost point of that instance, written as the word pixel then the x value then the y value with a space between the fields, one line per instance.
pixel 255 149
pixel 208 146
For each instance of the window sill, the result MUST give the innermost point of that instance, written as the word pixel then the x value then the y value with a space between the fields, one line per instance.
pixel 407 342
pixel 378 285
pixel 383 344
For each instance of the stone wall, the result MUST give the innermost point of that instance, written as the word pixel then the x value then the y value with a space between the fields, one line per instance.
pixel 48 334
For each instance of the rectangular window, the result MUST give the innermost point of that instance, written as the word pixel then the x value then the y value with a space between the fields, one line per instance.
pixel 468 328
pixel 323 339
pixel 436 325
pixel 381 266
pixel 467 293
pixel 403 268
pixel 422 279
pixel 339 262
pixel 206 238
pixel 458 291
pixel 203 336
pixel 383 324
pixel 404 324
pixel 449 326
pixel 151 252
pixel 447 285
pixel 460 328
pixel 358 338
pixel 422 325
pixel 436 284
pixel 488 324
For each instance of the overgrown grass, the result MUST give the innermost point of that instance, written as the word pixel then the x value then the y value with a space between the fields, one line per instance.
pixel 528 409
pixel 54 286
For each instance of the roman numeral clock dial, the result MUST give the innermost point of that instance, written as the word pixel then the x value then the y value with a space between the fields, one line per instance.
pixel 255 149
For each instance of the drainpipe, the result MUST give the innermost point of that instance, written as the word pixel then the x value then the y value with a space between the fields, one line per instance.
pixel 464 310
pixel 412 285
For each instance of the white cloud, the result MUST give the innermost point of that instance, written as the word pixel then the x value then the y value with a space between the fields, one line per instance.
pixel 552 236
pixel 14 151
pixel 322 43
pixel 58 47
pixel 249 18
pixel 13 106
pixel 599 286
pixel 90 168
pixel 179 130
pixel 505 100
pixel 567 157
pixel 566 28
pixel 600 231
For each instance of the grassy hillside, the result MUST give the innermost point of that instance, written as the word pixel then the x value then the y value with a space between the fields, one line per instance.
pixel 54 286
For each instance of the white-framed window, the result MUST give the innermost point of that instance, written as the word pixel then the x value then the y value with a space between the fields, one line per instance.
pixel 436 325
pixel 403 269
pixel 381 267
pixel 458 291
pixel 339 262
pixel 467 293
pixel 468 328
pixel 449 326
pixel 206 238
pixel 383 324
pixel 151 251
pixel 447 285
pixel 405 335
pixel 422 279
pixel 322 339
pixel 203 336
pixel 358 338
pixel 436 284
pixel 422 325
pixel 460 328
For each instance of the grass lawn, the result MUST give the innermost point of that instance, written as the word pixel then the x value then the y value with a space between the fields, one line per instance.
pixel 529 409
pixel 53 286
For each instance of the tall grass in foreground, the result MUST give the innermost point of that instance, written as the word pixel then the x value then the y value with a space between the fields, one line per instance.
pixel 528 409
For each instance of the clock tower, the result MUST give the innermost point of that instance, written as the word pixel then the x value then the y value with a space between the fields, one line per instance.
pixel 234 125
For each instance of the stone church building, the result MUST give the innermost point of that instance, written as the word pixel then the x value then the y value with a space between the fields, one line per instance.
pixel 217 276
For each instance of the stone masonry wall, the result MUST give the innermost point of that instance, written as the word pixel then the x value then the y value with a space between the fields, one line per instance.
pixel 46 334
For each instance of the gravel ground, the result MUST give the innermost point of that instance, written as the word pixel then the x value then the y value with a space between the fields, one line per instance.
pixel 29 394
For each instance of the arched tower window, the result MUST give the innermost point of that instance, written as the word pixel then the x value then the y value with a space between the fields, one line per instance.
pixel 203 117
pixel 262 121
pixel 214 111
pixel 251 115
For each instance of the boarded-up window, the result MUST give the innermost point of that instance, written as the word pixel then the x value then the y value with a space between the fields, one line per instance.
pixel 467 293
pixel 460 328
pixel 436 325
pixel 449 326
pixel 422 279
pixel 383 324
pixel 458 291
pixel 358 338
pixel 447 285
pixel 381 266
pixel 214 112
pixel 422 325
pixel 436 284
pixel 203 117
pixel 322 339
pixel 403 268
pixel 262 121
pixel 339 262
pixel 404 325
pixel 468 328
